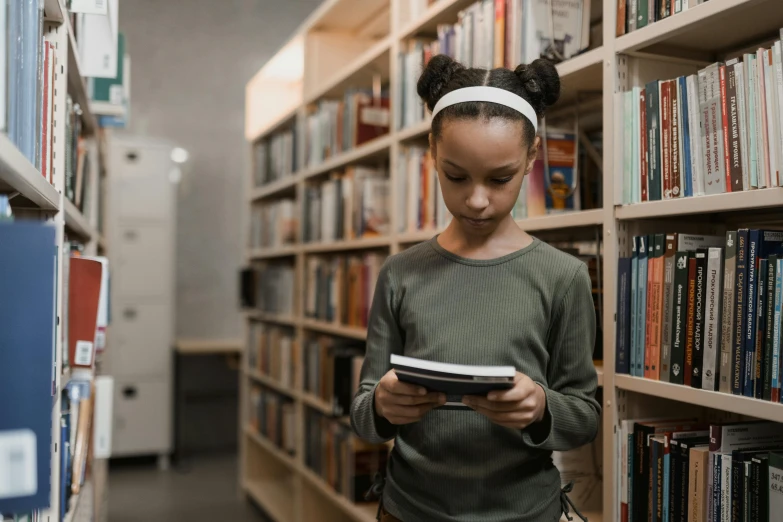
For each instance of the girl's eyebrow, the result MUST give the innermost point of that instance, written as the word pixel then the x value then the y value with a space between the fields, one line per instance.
pixel 507 167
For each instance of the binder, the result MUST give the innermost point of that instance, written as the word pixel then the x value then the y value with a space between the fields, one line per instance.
pixel 27 321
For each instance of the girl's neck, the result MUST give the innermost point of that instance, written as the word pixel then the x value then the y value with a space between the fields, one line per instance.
pixel 505 239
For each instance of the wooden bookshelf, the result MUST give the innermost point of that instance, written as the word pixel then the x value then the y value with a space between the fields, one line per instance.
pixel 702 34
pixel 34 197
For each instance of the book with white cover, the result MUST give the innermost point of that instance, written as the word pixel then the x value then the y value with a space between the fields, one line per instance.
pixel 455 380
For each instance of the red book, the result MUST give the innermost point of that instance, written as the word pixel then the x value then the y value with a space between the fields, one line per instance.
pixel 725 113
pixel 643 143
pixel 84 290
pixel 621 15
pixel 500 33
pixel 666 133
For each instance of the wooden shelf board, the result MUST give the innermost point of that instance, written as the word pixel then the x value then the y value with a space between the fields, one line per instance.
pixel 716 26
pixel 317 403
pixel 416 131
pixel 374 60
pixel 272 383
pixel 19 175
pixel 441 12
pixel 746 200
pixel 351 244
pixel 358 512
pixel 277 124
pixel 375 148
pixel 273 252
pixel 257 315
pixel 709 399
pixel 209 346
pixel 349 332
pixel 418 236
pixel 351 17
pixel 76 83
pixel 274 497
pixel 53 11
pixel 580 74
pixel 276 187
pixel 581 218
pixel 266 444
pixel 76 222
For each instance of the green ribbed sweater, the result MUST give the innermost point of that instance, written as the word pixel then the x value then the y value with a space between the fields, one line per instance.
pixel 532 309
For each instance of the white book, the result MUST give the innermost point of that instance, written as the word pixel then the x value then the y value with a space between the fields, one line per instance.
pixel 725 488
pixel 777 52
pixel 751 101
pixel 697 165
pixel 772 114
pixel 103 417
pixel 621 155
pixel 712 346
pixel 636 149
pixel 761 119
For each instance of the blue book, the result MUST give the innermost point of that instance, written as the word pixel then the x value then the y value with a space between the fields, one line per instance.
pixel 685 131
pixel 27 322
pixel 641 318
pixel 666 477
pixel 623 341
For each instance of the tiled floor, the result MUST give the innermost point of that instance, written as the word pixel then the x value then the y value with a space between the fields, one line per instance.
pixel 204 489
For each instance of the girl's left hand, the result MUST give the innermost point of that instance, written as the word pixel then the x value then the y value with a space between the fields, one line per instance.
pixel 517 407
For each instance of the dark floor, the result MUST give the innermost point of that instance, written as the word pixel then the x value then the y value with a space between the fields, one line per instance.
pixel 204 489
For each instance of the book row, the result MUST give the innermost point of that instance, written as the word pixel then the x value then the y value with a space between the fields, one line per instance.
pixel 335 126
pixel 275 157
pixel 332 368
pixel 703 311
pixel 339 289
pixel 681 469
pixel 351 204
pixel 717 131
pixel 273 351
pixel 636 14
pixel 273 416
pixel 273 224
pixel 274 294
pixel 494 33
pixel 344 461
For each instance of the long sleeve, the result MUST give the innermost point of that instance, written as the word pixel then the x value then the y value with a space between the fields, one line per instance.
pixel 383 338
pixel 572 414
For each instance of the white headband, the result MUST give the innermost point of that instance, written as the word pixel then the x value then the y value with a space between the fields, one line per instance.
pixel 488 94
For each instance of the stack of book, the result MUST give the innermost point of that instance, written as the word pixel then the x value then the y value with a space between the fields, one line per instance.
pixel 351 204
pixel 332 368
pixel 340 289
pixel 703 311
pixel 275 157
pixel 335 126
pixel 421 205
pixel 273 351
pixel 714 132
pixel 494 33
pixel 273 416
pixel 273 224
pixel 344 461
pixel 684 469
pixel 275 289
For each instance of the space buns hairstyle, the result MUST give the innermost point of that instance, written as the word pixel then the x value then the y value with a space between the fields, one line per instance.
pixel 538 83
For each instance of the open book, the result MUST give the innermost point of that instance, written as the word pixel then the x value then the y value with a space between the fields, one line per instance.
pixel 455 380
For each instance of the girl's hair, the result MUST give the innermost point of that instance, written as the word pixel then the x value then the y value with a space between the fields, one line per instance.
pixel 538 83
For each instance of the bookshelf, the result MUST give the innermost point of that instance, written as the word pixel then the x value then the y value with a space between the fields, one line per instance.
pixel 35 195
pixel 680 44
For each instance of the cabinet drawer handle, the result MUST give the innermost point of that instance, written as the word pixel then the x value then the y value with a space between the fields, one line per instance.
pixel 129 392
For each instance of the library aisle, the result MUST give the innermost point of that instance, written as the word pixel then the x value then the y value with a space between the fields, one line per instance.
pixel 204 208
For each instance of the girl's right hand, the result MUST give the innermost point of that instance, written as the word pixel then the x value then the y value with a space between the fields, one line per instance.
pixel 403 403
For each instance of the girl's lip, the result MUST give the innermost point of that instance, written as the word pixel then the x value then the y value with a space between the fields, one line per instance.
pixel 476 222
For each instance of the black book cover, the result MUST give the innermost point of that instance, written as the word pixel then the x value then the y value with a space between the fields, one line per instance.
pixel 679 317
pixel 699 323
pixel 623 341
pixel 740 292
pixel 654 187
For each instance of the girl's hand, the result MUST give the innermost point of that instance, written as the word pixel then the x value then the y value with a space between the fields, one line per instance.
pixel 401 402
pixel 517 407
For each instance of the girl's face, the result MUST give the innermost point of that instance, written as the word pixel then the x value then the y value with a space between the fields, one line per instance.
pixel 481 165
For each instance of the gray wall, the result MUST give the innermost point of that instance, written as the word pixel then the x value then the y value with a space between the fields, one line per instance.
pixel 190 61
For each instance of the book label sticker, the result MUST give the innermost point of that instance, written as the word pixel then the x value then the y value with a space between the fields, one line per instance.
pixel 116 94
pixel 375 116
pixel 100 339
pixel 18 466
pixel 83 353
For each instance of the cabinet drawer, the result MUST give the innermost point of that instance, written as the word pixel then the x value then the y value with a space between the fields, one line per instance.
pixel 144 261
pixel 142 418
pixel 141 339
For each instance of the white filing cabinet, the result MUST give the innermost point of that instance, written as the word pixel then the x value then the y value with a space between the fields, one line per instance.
pixel 140 229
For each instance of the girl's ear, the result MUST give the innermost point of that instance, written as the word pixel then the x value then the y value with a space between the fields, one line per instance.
pixel 532 154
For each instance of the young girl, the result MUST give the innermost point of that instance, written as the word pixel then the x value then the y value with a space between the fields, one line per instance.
pixel 483 292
